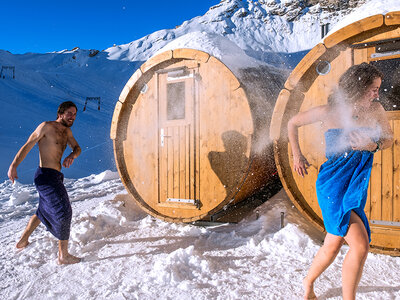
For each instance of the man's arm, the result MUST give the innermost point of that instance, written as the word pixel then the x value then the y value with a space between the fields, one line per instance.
pixel 22 153
pixel 76 150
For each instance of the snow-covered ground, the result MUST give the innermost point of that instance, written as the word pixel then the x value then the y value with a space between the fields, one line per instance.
pixel 128 254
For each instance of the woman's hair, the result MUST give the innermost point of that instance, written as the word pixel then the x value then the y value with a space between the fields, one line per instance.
pixel 354 82
pixel 64 106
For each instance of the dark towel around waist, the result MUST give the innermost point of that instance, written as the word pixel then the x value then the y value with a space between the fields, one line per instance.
pixel 54 209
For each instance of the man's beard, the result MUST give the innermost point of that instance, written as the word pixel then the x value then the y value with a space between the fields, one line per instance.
pixel 63 122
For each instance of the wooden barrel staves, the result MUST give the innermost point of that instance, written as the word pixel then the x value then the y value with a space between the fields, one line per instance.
pixel 375 40
pixel 191 138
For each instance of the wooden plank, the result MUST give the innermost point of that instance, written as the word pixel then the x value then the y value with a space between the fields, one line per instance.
pixel 392 18
pixel 376 187
pixel 142 185
pixel 360 56
pixel 310 141
pixel 182 162
pixel 115 119
pixel 233 83
pixel 162 148
pixel 170 162
pixel 376 37
pixel 187 162
pixel 192 172
pixel 191 54
pixel 387 183
pixel 370 51
pixel 367 208
pixel 278 113
pixel 155 60
pixel 163 180
pixel 353 29
pixel 178 206
pixel 129 85
pixel 195 136
pixel 396 170
pixel 385 236
pixel 176 159
pixel 304 65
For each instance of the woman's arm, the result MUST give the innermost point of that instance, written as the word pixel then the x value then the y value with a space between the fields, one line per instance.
pixel 386 139
pixel 319 113
pixel 363 142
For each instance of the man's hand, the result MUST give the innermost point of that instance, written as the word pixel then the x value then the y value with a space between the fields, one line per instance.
pixel 300 164
pixel 68 160
pixel 12 173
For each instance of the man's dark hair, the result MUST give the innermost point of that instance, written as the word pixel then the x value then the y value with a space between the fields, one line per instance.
pixel 64 106
pixel 354 82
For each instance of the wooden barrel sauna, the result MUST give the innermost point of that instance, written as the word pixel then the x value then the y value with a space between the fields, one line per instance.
pixel 375 40
pixel 191 138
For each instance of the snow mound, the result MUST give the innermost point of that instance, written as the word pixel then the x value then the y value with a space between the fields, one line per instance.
pixel 179 268
pixel 218 46
pixel 105 176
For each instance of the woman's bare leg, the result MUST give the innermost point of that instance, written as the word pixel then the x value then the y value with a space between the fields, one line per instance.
pixel 324 257
pixel 34 222
pixel 353 264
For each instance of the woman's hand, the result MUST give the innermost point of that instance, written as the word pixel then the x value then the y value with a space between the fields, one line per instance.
pixel 300 164
pixel 359 140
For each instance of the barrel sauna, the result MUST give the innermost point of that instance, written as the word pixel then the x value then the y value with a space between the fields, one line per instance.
pixel 375 40
pixel 191 138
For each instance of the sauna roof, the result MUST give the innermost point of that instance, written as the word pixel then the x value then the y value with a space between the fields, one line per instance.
pixel 218 46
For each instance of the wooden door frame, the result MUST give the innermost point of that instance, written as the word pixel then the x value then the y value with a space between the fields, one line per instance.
pixel 193 175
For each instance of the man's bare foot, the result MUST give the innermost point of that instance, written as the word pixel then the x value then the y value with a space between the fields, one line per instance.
pixel 68 259
pixel 308 290
pixel 22 244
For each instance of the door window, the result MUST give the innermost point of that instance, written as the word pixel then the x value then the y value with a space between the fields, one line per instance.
pixel 176 101
pixel 389 93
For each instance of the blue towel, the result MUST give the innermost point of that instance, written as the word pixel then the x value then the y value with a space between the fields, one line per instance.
pixel 54 209
pixel 342 184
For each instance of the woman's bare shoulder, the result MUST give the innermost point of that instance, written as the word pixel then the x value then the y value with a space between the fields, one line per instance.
pixel 377 107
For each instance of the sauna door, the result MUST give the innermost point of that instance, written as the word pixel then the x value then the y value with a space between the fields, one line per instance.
pixel 383 206
pixel 177 142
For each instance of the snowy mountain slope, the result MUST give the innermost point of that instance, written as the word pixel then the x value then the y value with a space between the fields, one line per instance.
pixel 42 82
pixel 258 27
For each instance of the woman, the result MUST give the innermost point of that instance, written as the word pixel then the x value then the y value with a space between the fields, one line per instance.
pixel 355 127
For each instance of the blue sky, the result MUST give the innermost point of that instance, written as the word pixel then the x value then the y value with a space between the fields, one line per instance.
pixel 44 26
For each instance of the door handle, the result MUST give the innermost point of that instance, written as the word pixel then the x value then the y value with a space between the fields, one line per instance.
pixel 162 136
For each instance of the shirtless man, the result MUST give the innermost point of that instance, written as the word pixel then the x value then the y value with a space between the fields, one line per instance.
pixel 54 209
